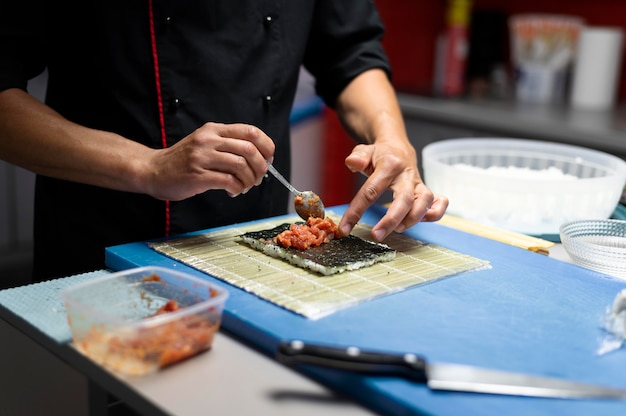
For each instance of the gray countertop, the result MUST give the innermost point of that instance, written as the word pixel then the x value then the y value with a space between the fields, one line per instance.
pixel 230 379
pixel 602 130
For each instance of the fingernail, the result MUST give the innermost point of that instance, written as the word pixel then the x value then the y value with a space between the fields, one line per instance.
pixel 345 230
pixel 401 228
pixel 379 235
pixel 245 191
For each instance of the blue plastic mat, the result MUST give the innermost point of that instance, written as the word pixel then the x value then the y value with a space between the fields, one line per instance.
pixel 41 305
pixel 529 313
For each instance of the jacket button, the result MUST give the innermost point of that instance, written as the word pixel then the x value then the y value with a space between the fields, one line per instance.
pixel 267 100
pixel 166 23
pixel 175 104
pixel 267 21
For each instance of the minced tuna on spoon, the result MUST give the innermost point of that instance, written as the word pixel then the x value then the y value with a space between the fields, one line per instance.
pixel 307 204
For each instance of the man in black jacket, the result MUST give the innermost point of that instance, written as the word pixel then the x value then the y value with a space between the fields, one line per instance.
pixel 160 116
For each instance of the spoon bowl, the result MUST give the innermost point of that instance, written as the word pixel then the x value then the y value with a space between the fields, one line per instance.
pixel 307 204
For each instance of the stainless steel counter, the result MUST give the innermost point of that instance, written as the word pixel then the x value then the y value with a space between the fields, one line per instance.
pixel 602 130
pixel 40 376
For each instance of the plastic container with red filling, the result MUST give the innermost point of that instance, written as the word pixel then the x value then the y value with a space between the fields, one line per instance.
pixel 139 320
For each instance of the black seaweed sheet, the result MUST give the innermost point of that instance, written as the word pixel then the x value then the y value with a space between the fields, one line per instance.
pixel 346 253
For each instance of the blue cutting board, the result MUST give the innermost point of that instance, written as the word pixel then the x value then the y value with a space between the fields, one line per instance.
pixel 527 313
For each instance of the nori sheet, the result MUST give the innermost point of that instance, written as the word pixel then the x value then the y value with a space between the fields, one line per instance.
pixel 336 253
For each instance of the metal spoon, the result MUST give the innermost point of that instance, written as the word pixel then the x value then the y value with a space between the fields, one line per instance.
pixel 307 204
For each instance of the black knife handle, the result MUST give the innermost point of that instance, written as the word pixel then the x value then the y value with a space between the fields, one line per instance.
pixel 353 359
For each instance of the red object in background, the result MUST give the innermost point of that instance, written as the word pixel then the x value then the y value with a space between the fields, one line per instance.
pixel 456 47
pixel 412 28
pixel 338 183
pixel 453 81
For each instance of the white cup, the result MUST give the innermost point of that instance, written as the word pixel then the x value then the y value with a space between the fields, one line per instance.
pixel 597 67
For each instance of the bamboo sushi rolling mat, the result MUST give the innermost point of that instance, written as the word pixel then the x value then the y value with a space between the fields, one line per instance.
pixel 223 255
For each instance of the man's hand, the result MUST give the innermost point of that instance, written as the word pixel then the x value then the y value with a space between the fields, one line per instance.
pixel 232 157
pixel 369 111
pixel 391 166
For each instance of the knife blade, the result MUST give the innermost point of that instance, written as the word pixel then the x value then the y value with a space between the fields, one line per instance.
pixel 440 376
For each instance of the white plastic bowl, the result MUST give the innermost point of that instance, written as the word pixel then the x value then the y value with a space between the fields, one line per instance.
pixel 526 186
pixel 597 244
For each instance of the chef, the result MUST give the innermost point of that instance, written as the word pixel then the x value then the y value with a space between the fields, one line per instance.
pixel 160 116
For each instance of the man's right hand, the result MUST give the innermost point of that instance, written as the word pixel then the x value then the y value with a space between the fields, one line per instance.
pixel 232 157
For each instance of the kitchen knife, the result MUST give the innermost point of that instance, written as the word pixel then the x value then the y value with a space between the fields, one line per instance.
pixel 440 376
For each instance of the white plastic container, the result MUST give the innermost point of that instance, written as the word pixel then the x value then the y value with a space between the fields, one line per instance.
pixel 139 320
pixel 597 244
pixel 525 186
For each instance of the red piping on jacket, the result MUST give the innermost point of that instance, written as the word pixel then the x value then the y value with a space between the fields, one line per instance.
pixel 157 79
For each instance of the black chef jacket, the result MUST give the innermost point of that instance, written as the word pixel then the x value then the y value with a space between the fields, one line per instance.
pixel 154 71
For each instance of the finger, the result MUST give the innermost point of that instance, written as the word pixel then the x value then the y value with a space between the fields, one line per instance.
pixel 249 143
pixel 367 195
pixel 229 182
pixel 204 152
pixel 421 204
pixel 238 175
pixel 405 211
pixel 437 209
pixel 245 132
pixel 426 207
pixel 217 180
pixel 359 160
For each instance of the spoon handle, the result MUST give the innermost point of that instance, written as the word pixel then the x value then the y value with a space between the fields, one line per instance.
pixel 282 179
